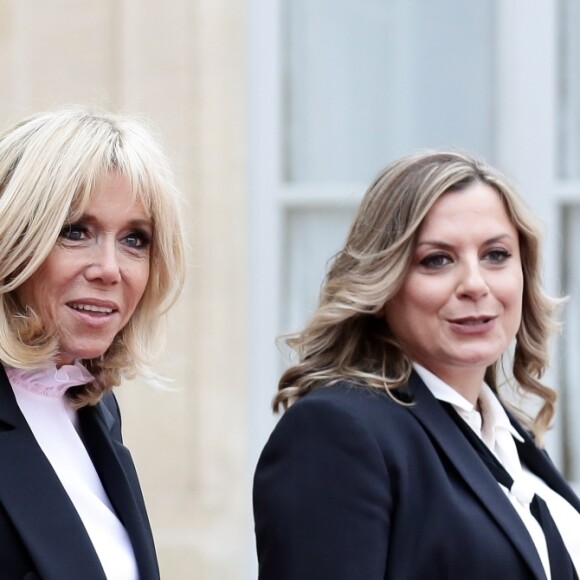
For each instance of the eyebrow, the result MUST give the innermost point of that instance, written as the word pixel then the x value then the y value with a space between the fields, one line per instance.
pixel 442 244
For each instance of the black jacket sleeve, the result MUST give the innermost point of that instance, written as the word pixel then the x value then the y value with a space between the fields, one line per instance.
pixel 322 498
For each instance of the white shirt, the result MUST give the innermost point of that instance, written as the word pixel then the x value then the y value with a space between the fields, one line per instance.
pixel 54 424
pixel 494 428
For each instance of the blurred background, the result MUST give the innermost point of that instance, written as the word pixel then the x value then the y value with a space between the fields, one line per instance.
pixel 277 114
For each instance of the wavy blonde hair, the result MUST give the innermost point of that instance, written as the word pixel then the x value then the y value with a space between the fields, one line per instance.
pixel 50 166
pixel 347 337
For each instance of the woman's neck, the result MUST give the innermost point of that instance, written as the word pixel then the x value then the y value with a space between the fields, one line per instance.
pixel 466 381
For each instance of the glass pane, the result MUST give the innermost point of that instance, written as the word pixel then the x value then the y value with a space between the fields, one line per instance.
pixel 569 89
pixel 313 236
pixel 367 81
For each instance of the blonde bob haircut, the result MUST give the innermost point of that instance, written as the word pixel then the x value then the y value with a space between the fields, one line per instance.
pixel 50 166
pixel 347 337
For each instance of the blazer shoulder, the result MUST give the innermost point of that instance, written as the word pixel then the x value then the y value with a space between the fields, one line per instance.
pixel 361 403
pixel 324 483
pixel 351 413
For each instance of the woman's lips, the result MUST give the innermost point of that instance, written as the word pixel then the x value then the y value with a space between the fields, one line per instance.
pixel 473 324
pixel 93 311
pixel 90 307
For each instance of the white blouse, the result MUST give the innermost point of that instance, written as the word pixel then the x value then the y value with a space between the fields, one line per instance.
pixel 54 423
pixel 494 428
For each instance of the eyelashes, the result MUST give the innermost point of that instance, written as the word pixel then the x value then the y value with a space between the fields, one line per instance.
pixel 435 261
pixel 134 238
pixel 138 239
pixel 73 232
pixel 439 260
pixel 498 256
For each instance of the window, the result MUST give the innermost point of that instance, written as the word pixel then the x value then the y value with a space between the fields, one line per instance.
pixel 339 88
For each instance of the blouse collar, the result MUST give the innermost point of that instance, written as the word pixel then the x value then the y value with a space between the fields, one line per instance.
pixel 51 381
pixel 493 416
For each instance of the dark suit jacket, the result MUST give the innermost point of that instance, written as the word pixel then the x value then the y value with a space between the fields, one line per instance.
pixel 353 486
pixel 41 534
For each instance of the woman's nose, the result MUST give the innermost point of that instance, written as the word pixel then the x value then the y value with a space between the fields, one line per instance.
pixel 104 263
pixel 472 283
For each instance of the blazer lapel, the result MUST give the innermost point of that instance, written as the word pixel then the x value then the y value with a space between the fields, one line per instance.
pixel 537 461
pixel 117 472
pixel 472 469
pixel 37 504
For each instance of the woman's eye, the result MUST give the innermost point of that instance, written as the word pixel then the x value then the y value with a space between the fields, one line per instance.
pixel 497 256
pixel 435 261
pixel 138 239
pixel 73 232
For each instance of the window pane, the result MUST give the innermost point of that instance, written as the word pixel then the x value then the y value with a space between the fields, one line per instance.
pixel 370 80
pixel 313 236
pixel 569 97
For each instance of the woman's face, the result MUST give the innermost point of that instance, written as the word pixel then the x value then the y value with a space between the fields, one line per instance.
pixel 93 279
pixel 460 305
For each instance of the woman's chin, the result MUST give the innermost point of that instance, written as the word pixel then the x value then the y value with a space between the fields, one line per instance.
pixel 70 357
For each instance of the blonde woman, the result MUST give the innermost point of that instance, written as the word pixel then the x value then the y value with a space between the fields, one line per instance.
pixel 91 257
pixel 397 457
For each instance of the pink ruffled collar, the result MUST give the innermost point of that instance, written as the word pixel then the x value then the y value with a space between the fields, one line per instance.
pixel 51 381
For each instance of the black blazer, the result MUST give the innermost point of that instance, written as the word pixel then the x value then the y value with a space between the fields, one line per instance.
pixel 41 534
pixel 353 486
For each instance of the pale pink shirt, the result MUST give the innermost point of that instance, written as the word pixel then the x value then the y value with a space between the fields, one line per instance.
pixel 494 428
pixel 54 423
